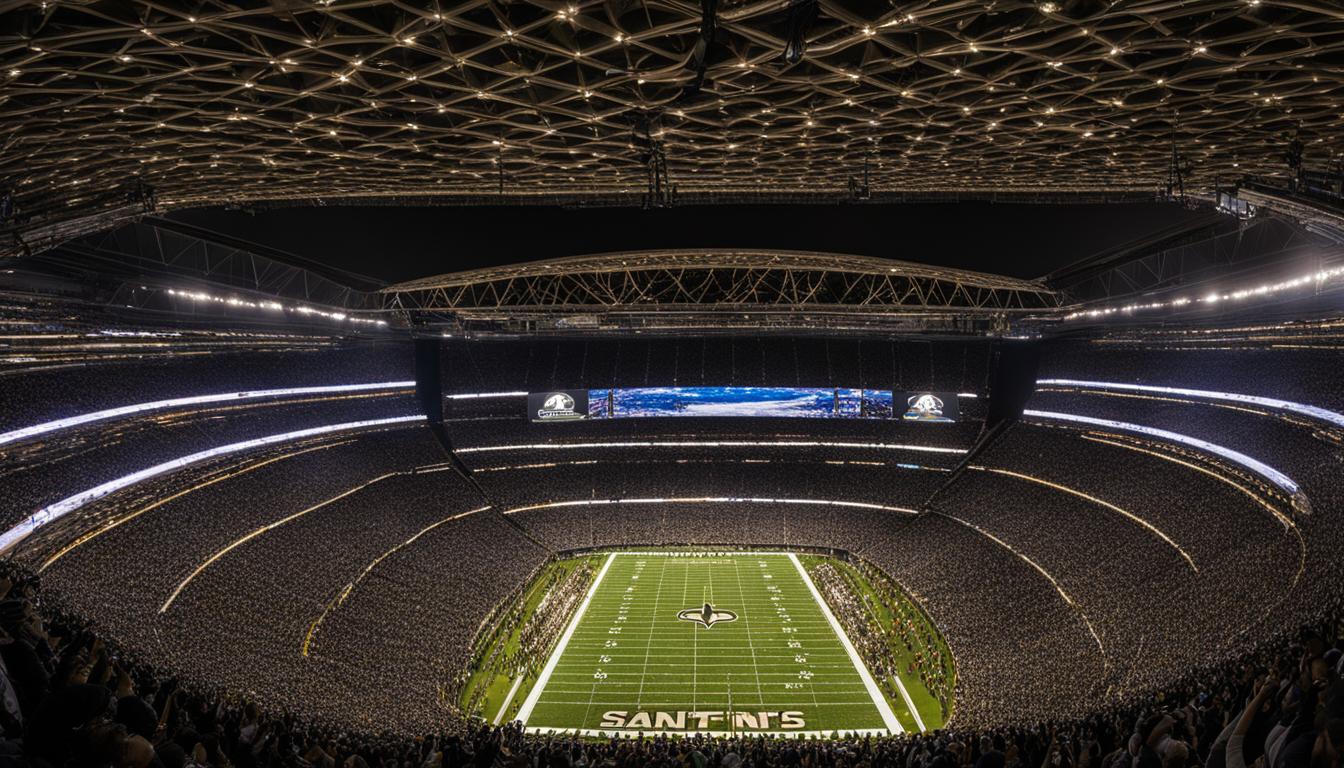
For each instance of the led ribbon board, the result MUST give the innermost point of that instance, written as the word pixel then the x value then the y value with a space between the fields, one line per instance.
pixel 1255 465
pixel 48 427
pixel 11 538
pixel 1272 403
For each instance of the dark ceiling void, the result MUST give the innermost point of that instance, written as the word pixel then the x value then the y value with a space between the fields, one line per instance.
pixel 395 244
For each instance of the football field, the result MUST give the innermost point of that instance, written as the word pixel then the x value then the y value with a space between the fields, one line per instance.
pixel 681 642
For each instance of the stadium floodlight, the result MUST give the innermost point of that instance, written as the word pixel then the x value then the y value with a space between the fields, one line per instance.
pixel 1315 279
pixel 11 538
pixel 156 405
pixel 1271 474
pixel 274 306
pixel 1272 403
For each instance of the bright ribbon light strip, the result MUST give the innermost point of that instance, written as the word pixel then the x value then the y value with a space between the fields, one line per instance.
pixel 1272 403
pixel 209 561
pixel 274 306
pixel 709 444
pixel 245 467
pixel 178 402
pixel 339 599
pixel 19 532
pixel 483 395
pixel 1259 467
pixel 1315 278
pixel 1099 502
pixel 1068 599
pixel 713 500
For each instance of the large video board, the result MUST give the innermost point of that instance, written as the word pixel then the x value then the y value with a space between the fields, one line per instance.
pixel 929 407
pixel 757 402
pixel 558 405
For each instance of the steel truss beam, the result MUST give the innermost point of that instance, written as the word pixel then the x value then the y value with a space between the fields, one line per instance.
pixel 1256 247
pixel 739 288
pixel 165 254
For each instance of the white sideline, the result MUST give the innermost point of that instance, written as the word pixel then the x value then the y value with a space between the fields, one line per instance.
pixel 919 721
pixel 879 700
pixel 535 694
pixel 505 706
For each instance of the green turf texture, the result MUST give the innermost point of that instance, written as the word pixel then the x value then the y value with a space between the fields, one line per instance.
pixel 494 681
pixel 631 653
pixel 930 711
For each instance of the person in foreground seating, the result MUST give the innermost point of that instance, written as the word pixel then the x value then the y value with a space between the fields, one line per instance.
pixel 68 697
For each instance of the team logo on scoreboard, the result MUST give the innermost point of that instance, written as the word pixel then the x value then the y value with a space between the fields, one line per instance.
pixel 925 407
pixel 558 406
pixel 706 615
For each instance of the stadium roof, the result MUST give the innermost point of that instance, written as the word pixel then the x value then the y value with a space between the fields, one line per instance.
pixel 720 289
pixel 108 109
pixel 717 260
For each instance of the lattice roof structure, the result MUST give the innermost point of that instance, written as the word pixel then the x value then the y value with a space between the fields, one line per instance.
pixel 107 108
pixel 720 289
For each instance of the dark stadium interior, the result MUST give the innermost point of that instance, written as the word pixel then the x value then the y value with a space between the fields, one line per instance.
pixel 413 241
pixel 332 333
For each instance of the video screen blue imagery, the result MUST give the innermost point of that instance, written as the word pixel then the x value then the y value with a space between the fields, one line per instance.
pixel 878 404
pixel 776 402
pixel 930 407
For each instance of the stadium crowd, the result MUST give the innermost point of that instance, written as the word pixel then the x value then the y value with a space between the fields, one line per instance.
pixel 984 595
pixel 1291 368
pixel 745 473
pixel 71 699
pixel 1305 451
pixel 482 365
pixel 1072 619
pixel 61 388
pixel 39 473
pixel 534 631
pixel 878 640
pixel 322 510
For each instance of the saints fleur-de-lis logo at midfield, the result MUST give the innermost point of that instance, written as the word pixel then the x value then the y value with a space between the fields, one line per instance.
pixel 706 615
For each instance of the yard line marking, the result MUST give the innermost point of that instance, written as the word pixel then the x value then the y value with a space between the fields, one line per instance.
pixel 648 639
pixel 695 641
pixel 746 618
pixel 879 700
pixel 533 695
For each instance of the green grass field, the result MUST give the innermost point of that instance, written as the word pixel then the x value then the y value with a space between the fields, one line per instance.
pixel 643 655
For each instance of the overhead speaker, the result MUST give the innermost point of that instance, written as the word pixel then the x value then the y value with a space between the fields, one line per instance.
pixel 1013 378
pixel 429 379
